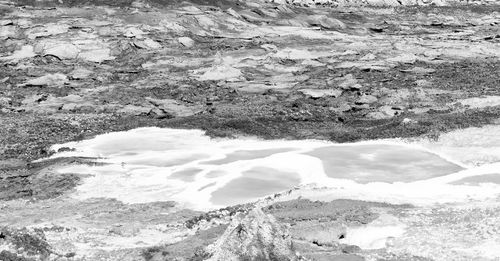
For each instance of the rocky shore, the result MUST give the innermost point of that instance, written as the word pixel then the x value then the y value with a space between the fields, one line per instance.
pixel 334 70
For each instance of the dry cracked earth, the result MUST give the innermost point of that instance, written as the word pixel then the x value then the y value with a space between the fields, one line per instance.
pixel 339 71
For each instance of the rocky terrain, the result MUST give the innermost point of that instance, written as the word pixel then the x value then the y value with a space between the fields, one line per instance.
pixel 334 70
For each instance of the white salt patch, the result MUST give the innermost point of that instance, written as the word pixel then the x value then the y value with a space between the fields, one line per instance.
pixel 378 234
pixel 481 102
pixel 143 166
pixel 488 249
pixel 471 146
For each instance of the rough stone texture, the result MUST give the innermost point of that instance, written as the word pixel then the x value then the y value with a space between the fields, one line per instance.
pixel 256 236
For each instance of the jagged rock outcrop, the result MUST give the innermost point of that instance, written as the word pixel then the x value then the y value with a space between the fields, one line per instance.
pixel 256 236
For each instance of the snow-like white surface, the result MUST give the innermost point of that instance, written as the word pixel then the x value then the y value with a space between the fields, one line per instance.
pixel 153 164
pixel 481 102
pixel 377 234
pixel 470 146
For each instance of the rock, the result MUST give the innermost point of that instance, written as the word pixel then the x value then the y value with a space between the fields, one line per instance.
pixel 348 82
pixel 408 121
pixel 191 9
pixel 221 72
pixel 173 107
pixel 312 63
pixel 134 32
pixel 19 244
pixel 50 104
pixel 148 44
pixel 384 112
pixel 257 236
pixel 60 49
pixel 269 47
pixel 7 31
pixel 27 51
pixel 140 4
pixel 98 55
pixel 233 13
pixel 253 17
pixel 5 102
pixel 293 54
pixel 80 74
pixel 325 22
pixel 423 83
pixel 6 22
pixel 404 58
pixel 318 93
pixel 420 70
pixel 53 80
pixel 46 30
pixel 368 57
pixel 366 99
pixel 186 41
pixel 343 107
pixel 206 22
pixel 135 110
pixel 93 50
pixel 326 233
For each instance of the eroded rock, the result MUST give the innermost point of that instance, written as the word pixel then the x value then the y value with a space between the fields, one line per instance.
pixel 256 236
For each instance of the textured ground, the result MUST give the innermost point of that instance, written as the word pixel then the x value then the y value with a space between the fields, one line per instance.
pixel 74 69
